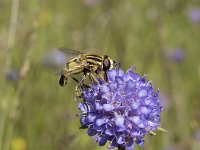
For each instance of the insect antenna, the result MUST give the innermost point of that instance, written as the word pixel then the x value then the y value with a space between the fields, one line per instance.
pixel 116 64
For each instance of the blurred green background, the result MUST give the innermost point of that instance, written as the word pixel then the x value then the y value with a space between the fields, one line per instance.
pixel 160 38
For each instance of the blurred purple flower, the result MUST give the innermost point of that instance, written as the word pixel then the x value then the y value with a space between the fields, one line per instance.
pixel 90 3
pixel 197 135
pixel 171 147
pixel 121 110
pixel 13 75
pixel 164 99
pixel 176 55
pixel 194 15
pixel 54 58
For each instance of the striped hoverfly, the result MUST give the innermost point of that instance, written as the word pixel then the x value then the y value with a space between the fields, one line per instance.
pixel 88 64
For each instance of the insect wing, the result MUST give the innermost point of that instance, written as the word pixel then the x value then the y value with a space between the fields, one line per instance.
pixel 59 72
pixel 69 51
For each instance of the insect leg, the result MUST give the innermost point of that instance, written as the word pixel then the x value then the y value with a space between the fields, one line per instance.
pixel 101 76
pixel 94 78
pixel 84 101
pixel 84 85
pixel 79 84
pixel 76 80
pixel 105 76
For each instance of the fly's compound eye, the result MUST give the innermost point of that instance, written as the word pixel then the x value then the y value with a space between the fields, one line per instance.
pixel 106 63
pixel 63 80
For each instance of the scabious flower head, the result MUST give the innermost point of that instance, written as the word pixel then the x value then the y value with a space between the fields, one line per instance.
pixel 121 110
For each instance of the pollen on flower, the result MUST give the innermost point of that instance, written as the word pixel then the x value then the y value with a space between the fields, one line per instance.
pixel 121 110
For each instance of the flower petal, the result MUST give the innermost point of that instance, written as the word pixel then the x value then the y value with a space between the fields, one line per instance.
pixel 108 107
pixel 98 106
pixel 130 75
pixel 145 110
pixel 105 88
pixel 111 74
pixel 120 72
pixel 84 121
pixel 109 132
pixel 135 105
pixel 139 141
pixel 136 119
pixel 130 145
pixel 142 93
pixel 102 140
pixel 100 122
pixel 119 121
pixel 113 143
pixel 121 140
pixel 119 80
pixel 91 117
pixel 91 131
pixel 82 107
pixel 130 84
pixel 99 128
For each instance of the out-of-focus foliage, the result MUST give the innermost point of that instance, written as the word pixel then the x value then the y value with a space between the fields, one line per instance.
pixel 159 38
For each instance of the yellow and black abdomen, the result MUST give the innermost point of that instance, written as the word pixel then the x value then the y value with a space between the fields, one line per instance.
pixel 94 63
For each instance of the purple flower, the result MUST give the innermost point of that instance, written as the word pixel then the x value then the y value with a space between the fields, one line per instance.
pixel 194 15
pixel 121 110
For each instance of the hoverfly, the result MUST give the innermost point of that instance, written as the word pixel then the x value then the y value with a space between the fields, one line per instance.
pixel 88 64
